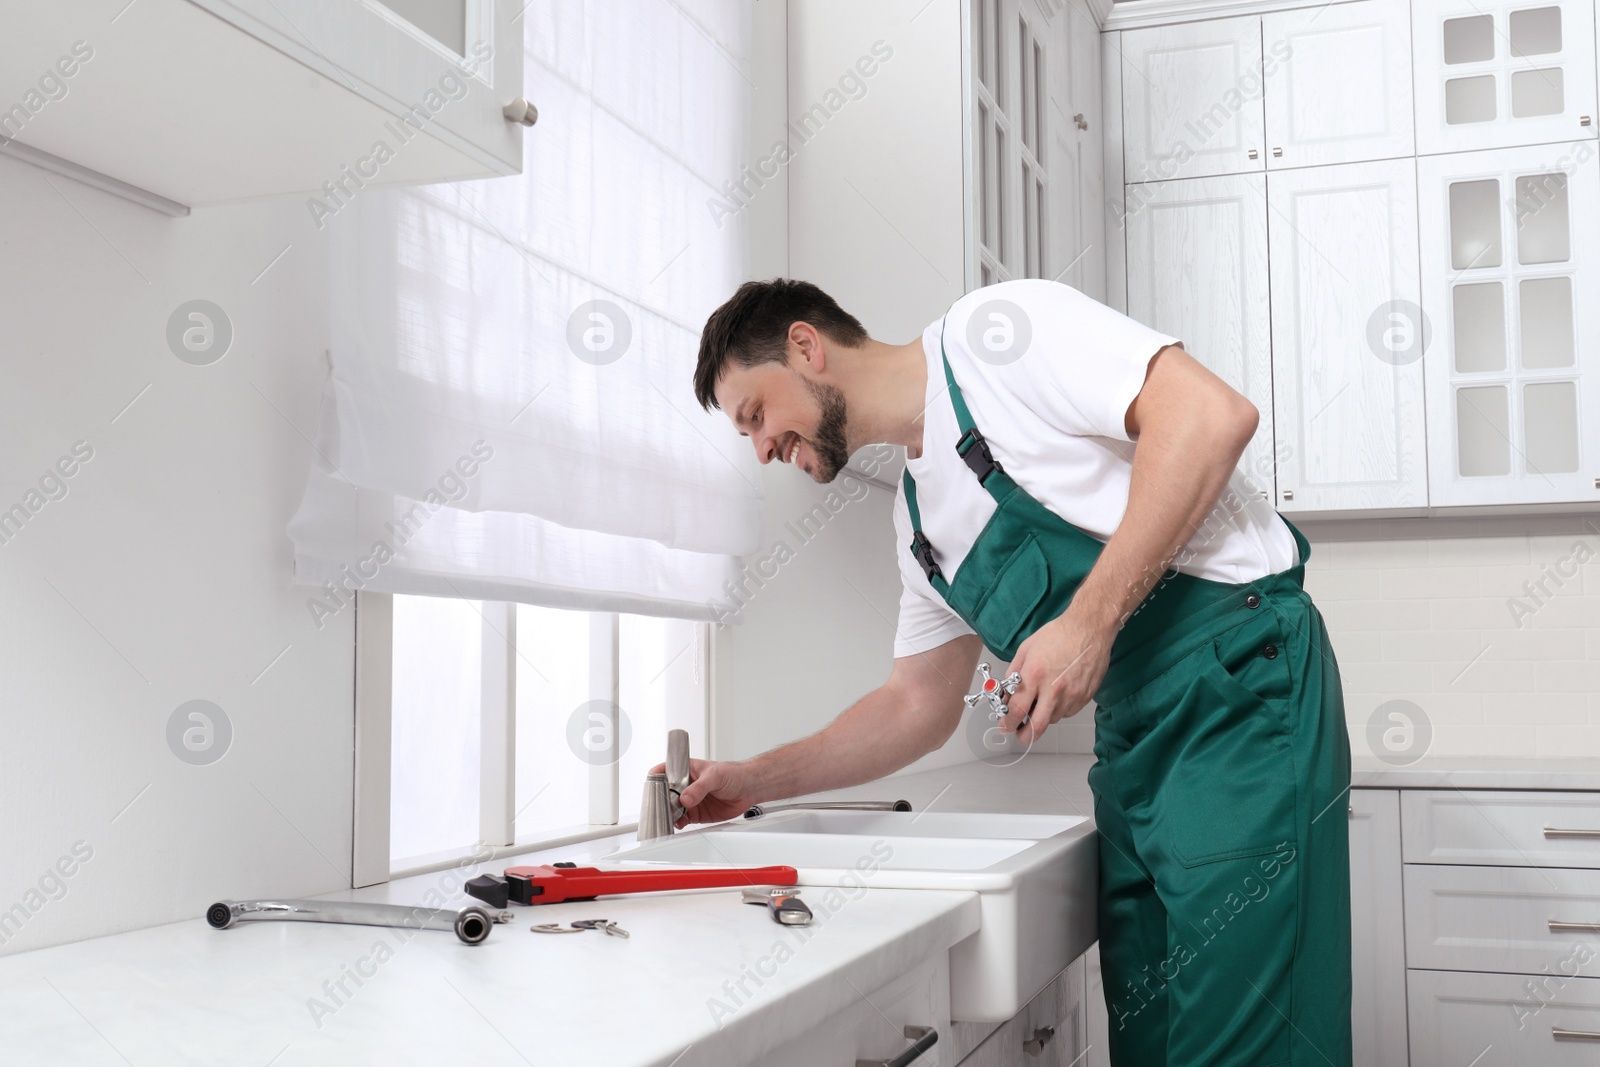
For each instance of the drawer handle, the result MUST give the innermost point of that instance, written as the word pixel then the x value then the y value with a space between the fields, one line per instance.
pixel 1041 1037
pixel 1574 1035
pixel 922 1039
pixel 1555 831
pixel 1561 927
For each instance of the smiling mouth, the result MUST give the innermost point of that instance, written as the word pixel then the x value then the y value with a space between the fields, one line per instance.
pixel 794 451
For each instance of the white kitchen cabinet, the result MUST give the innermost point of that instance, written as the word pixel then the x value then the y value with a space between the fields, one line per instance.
pixel 1342 90
pixel 1197 269
pixel 1502 829
pixel 1191 100
pixel 222 100
pixel 1497 74
pixel 1377 930
pixel 880 1025
pixel 1347 378
pixel 1509 270
pixel 1460 1018
pixel 1514 919
pixel 1051 1031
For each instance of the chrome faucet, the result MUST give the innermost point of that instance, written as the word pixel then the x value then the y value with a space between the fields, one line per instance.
pixel 660 809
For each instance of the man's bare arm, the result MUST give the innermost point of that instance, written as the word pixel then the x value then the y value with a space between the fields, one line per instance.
pixel 910 715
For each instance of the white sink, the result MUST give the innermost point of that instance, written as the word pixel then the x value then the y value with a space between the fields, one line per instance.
pixel 1035 876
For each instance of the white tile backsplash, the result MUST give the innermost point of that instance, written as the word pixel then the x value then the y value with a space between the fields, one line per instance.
pixel 1489 625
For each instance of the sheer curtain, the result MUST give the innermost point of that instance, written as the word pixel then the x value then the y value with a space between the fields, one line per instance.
pixel 510 414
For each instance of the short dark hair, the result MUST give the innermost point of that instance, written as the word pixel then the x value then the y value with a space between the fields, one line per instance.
pixel 753 328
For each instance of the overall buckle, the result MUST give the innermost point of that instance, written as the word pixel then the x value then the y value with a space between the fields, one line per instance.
pixel 922 552
pixel 974 451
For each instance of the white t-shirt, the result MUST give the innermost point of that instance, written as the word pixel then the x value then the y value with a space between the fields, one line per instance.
pixel 1053 416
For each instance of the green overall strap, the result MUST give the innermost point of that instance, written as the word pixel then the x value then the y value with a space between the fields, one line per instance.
pixel 921 547
pixel 974 450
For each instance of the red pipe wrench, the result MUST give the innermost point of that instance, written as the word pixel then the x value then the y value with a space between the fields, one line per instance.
pixel 552 883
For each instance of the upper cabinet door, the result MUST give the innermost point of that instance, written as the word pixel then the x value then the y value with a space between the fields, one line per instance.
pixel 1197 269
pixel 1491 74
pixel 408 55
pixel 1338 84
pixel 1347 342
pixel 1191 100
pixel 1510 271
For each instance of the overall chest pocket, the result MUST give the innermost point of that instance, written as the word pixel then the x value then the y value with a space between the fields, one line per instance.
pixel 1009 602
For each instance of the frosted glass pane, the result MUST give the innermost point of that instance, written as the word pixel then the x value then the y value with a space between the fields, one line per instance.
pixel 1480 327
pixel 1469 100
pixel 1550 418
pixel 553 695
pixel 660 682
pixel 443 20
pixel 1469 40
pixel 1537 92
pixel 1475 224
pixel 1483 444
pixel 1546 317
pixel 434 720
pixel 1543 232
pixel 1536 31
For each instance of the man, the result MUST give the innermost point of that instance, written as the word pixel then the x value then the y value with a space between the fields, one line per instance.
pixel 1070 502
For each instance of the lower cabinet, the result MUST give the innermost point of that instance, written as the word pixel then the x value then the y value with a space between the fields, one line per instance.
pixel 1377 930
pixel 1051 1031
pixel 1508 1020
pixel 878 1027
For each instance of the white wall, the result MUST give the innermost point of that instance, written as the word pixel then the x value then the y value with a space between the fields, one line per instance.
pixel 162 576
pixel 871 212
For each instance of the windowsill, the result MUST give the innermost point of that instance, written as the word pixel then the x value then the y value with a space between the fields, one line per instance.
pixel 555 838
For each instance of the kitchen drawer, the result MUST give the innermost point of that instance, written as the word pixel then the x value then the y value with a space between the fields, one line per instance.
pixel 872 1028
pixel 1498 919
pixel 1501 829
pixel 1052 1031
pixel 1495 1020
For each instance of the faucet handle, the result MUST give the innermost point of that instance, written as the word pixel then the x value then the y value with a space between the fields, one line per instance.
pixel 677 769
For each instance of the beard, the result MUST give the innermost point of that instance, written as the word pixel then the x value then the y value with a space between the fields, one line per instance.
pixel 829 440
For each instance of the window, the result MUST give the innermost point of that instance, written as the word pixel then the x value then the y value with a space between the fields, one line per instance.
pixel 513 725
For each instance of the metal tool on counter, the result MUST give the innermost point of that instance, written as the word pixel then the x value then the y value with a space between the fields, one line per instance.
pixel 995 693
pixel 659 807
pixel 829 805
pixel 783 903
pixel 471 924
pixel 556 882
pixel 578 926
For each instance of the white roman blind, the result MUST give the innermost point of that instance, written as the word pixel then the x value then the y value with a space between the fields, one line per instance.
pixel 510 413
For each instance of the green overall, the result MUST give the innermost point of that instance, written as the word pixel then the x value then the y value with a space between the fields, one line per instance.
pixel 1219 787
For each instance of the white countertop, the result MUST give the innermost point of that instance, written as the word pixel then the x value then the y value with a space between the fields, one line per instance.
pixel 185 993
pixel 704 979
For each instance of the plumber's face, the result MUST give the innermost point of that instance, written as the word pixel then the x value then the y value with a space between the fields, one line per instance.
pixel 788 417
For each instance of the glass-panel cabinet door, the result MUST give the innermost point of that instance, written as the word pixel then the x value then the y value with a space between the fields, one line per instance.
pixel 1510 272
pixel 1498 74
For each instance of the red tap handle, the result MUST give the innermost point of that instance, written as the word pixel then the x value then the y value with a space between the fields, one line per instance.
pixel 546 884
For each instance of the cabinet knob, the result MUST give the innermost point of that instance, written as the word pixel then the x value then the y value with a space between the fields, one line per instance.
pixel 1083 124
pixel 1034 1046
pixel 1288 494
pixel 1254 154
pixel 1277 153
pixel 1584 121
pixel 519 110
